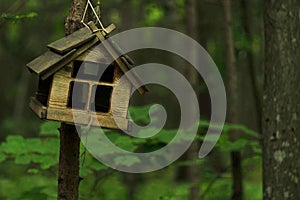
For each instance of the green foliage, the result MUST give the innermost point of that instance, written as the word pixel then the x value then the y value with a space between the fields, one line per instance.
pixel 32 150
pixel 49 128
pixel 153 14
pixel 3 157
pixel 18 17
pixel 162 189
pixel 127 160
pixel 29 162
pixel 89 165
pixel 41 155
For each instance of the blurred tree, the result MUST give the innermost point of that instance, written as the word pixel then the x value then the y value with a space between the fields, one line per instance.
pixel 247 23
pixel 192 152
pixel 236 158
pixel 281 108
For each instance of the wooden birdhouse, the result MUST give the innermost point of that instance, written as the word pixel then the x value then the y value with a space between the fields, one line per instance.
pixel 78 60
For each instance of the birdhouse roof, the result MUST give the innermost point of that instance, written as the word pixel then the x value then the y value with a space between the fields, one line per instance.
pixel 69 48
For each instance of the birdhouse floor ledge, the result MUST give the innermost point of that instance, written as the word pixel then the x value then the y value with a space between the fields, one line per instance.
pixel 105 120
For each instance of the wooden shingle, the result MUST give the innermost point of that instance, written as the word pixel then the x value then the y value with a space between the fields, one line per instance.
pixel 45 61
pixel 77 45
pixel 72 41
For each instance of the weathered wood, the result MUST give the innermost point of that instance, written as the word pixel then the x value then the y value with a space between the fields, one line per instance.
pixel 45 61
pixel 116 55
pixel 67 59
pixel 124 67
pixel 60 89
pixel 121 52
pixel 72 41
pixel 83 118
pixel 110 28
pixel 95 54
pixel 120 99
pixel 38 108
pixel 61 85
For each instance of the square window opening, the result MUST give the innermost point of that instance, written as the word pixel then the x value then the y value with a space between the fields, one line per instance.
pixel 43 91
pixel 101 99
pixel 80 93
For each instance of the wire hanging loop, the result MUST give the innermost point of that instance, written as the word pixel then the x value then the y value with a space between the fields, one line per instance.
pixel 89 4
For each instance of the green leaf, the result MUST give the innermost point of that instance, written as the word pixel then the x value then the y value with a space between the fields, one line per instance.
pixel 96 165
pixel 18 17
pixel 140 114
pixel 14 145
pixel 166 136
pixel 23 159
pixel 228 146
pixel 33 171
pixel 2 157
pixel 125 142
pixel 126 160
pixel 49 146
pixel 49 128
pixel 153 14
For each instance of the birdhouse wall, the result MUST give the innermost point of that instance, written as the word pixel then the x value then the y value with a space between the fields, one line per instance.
pixel 95 54
pixel 59 110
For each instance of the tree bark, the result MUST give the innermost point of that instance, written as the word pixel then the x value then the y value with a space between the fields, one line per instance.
pixel 281 108
pixel 68 173
pixel 75 15
pixel 192 152
pixel 256 90
pixel 236 158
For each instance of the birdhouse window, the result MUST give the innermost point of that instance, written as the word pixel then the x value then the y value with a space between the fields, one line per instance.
pixel 43 92
pixel 90 92
pixel 100 102
pixel 81 93
pixel 92 71
pixel 76 74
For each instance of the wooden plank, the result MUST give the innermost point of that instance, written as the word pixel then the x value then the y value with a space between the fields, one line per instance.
pixel 67 59
pixel 132 77
pixel 110 28
pixel 120 99
pixel 121 52
pixel 60 89
pixel 96 55
pixel 83 118
pixel 38 108
pixel 45 61
pixel 72 41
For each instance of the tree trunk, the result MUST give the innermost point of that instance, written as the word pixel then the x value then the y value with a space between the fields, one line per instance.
pixel 247 18
pixel 236 159
pixel 192 152
pixel 281 107
pixel 68 173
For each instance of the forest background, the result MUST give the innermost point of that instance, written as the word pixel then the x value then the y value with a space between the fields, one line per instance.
pixel 29 147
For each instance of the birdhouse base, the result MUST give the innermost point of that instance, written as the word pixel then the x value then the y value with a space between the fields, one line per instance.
pixel 81 117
